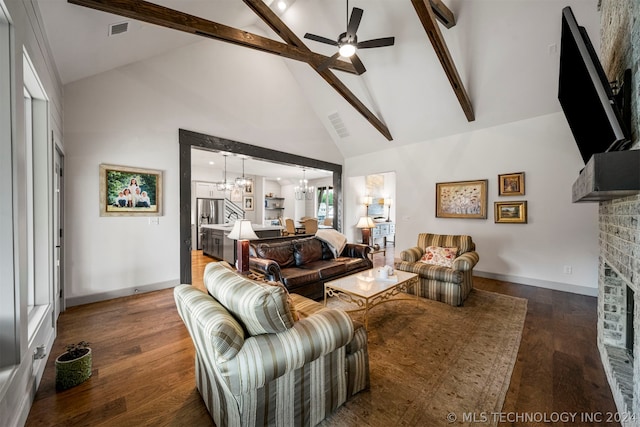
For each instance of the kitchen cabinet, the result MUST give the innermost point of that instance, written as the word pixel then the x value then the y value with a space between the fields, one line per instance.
pixel 206 190
pixel 213 243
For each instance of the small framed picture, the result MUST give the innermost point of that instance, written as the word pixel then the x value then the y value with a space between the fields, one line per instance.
pixel 511 184
pixel 248 203
pixel 236 194
pixel 248 187
pixel 510 212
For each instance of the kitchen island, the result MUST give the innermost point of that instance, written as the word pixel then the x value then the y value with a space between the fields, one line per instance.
pixel 215 242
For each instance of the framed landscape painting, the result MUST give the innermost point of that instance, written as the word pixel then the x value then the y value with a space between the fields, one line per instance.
pixel 511 184
pixel 461 199
pixel 511 212
pixel 129 191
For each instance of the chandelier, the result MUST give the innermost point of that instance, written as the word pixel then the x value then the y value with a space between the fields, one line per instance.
pixel 241 181
pixel 303 191
pixel 224 185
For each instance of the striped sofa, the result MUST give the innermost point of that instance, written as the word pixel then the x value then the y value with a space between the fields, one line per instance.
pixel 264 357
pixel 449 285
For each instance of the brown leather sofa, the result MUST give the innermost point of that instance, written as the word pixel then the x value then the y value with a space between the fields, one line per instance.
pixel 303 265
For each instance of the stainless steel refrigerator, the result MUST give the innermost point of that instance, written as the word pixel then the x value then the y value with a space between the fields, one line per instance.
pixel 208 211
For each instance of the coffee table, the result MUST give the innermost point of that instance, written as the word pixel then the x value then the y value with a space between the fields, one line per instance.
pixel 366 291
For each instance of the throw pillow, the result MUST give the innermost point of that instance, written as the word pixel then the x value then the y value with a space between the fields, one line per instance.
pixel 334 239
pixel 439 256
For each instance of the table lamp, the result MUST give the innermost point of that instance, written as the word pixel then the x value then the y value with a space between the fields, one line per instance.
pixel 366 224
pixel 242 232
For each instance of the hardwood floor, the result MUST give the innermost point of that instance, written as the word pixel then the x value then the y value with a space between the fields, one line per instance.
pixel 143 371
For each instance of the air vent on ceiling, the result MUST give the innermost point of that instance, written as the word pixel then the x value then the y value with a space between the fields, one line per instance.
pixel 119 28
pixel 338 125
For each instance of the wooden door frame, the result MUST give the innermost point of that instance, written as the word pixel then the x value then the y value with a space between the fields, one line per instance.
pixel 189 139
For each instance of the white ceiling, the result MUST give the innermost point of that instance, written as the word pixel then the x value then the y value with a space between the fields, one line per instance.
pixel 506 52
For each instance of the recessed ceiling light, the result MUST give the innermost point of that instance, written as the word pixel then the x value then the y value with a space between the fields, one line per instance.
pixel 278 179
pixel 210 163
pixel 282 5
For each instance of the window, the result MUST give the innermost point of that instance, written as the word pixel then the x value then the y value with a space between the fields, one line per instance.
pixel 36 191
pixel 8 317
pixel 325 203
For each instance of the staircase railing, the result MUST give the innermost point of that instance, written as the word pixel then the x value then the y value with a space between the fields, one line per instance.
pixel 232 211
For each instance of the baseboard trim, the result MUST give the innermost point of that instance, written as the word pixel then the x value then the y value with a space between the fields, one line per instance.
pixel 103 296
pixel 547 284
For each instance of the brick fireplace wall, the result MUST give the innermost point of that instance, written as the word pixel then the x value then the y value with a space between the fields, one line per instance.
pixel 619 222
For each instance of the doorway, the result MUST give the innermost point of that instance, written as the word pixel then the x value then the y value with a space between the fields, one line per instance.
pixel 189 139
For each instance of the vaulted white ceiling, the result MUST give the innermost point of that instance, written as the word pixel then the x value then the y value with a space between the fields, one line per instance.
pixel 506 52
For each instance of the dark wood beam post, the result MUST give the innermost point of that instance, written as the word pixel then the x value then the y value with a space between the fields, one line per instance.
pixel 443 13
pixel 189 139
pixel 427 17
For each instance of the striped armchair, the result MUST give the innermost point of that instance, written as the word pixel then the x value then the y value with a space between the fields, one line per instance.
pixel 449 285
pixel 266 358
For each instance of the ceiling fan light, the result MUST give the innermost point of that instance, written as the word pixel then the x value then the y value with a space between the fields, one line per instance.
pixel 347 50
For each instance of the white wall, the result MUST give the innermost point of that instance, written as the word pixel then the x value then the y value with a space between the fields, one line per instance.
pixel 558 232
pixel 131 115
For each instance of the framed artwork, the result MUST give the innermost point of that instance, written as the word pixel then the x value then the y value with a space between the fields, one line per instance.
pixel 461 199
pixel 511 212
pixel 129 191
pixel 248 187
pixel 511 184
pixel 247 205
pixel 236 194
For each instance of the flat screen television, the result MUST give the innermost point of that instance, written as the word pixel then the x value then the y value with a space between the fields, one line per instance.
pixel 585 93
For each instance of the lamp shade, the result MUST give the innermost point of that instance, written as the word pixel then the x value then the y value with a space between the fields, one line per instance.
pixel 242 230
pixel 365 222
pixel 367 200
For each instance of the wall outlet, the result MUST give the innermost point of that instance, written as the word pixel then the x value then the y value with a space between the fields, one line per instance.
pixel 567 269
pixel 154 220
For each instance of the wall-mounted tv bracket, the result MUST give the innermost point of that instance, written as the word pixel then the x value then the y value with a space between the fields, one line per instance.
pixel 622 96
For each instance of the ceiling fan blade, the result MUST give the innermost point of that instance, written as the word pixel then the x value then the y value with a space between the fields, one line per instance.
pixel 327 62
pixel 357 64
pixel 320 39
pixel 354 22
pixel 367 44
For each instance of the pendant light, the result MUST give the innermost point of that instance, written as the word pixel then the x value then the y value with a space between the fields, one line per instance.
pixel 241 181
pixel 224 185
pixel 303 191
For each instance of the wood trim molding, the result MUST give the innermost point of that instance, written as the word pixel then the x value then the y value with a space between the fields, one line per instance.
pixel 428 19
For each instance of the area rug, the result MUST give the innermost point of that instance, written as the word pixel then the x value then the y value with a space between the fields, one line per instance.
pixel 436 365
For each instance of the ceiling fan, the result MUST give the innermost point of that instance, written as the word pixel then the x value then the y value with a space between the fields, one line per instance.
pixel 347 42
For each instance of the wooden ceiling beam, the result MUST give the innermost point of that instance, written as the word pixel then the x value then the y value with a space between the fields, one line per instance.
pixel 428 19
pixel 443 13
pixel 169 18
pixel 280 28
